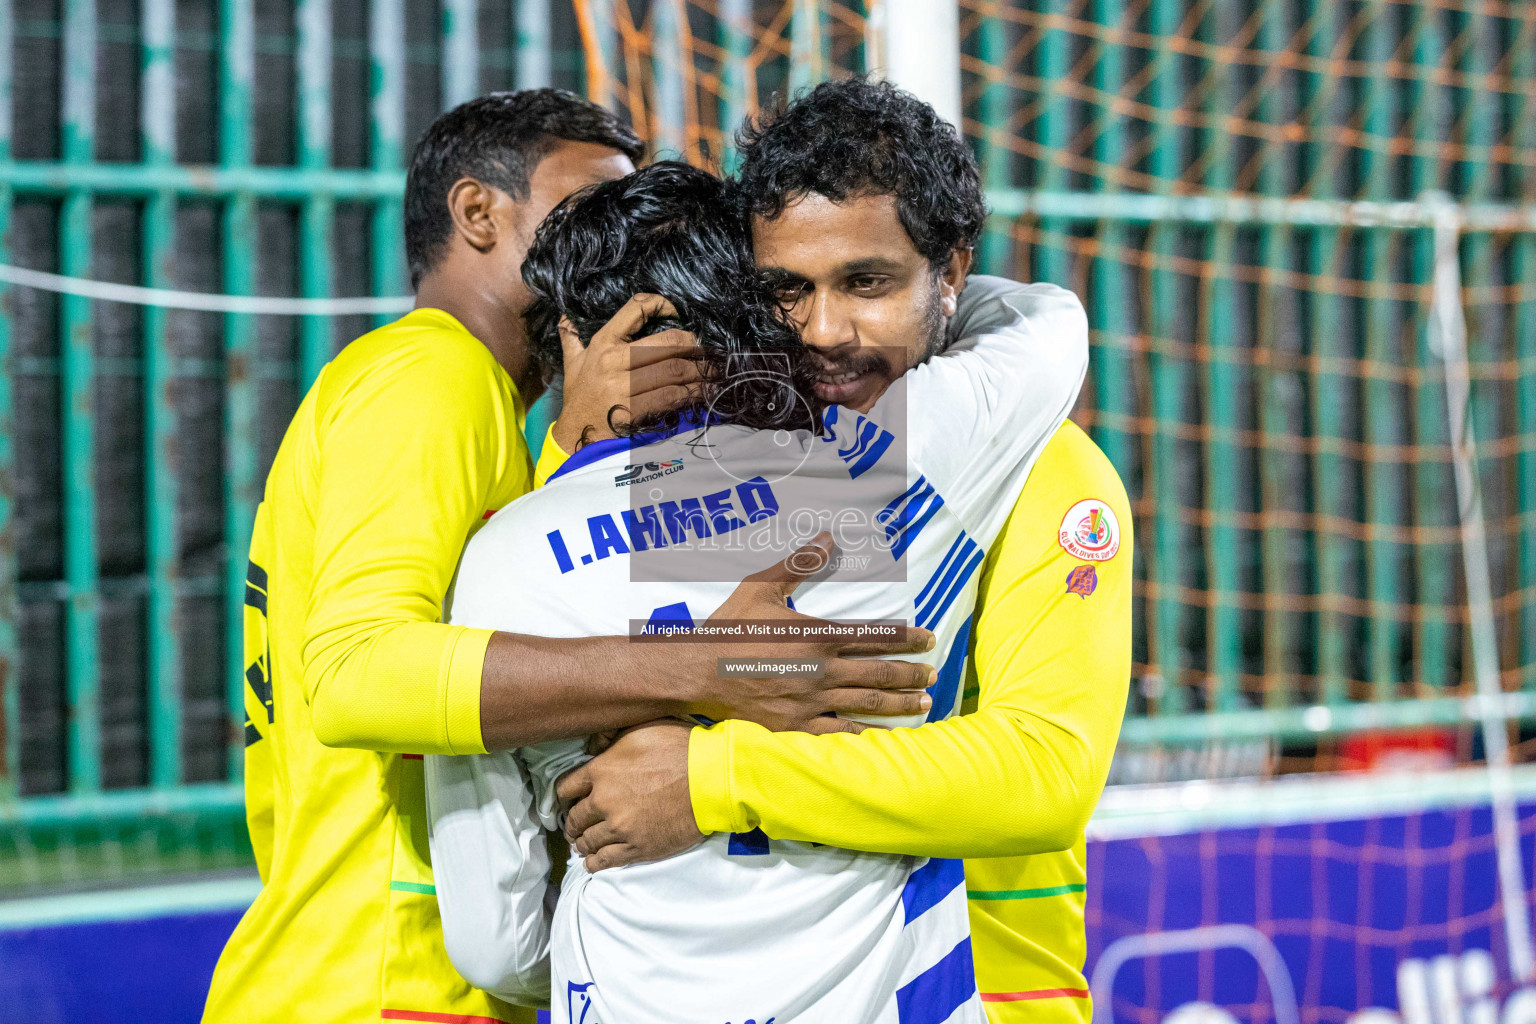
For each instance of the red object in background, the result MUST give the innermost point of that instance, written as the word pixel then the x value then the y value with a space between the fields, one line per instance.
pixel 1414 750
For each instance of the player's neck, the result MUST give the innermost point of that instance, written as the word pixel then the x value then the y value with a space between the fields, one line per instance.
pixel 491 319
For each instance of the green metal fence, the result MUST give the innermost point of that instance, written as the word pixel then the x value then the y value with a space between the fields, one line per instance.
pixel 242 147
pixel 1263 372
pixel 1234 188
pixel 1244 193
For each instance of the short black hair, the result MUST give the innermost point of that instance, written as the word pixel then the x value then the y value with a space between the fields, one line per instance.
pixel 856 137
pixel 497 139
pixel 672 230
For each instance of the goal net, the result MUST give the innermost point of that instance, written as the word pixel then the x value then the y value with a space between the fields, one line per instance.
pixel 1371 899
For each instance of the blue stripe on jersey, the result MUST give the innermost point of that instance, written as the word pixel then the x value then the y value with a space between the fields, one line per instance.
pixel 864 431
pixel 955 577
pixel 954 592
pixel 911 532
pixel 883 517
pixel 899 513
pixel 872 453
pixel 870 441
pixel 933 996
pixel 748 844
pixel 945 688
pixel 917 505
pixel 929 884
pixel 943 565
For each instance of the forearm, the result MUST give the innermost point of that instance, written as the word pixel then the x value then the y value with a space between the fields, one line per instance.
pixel 1019 776
pixel 538 688
pixel 411 454
pixel 1002 782
pixel 431 688
pixel 401 687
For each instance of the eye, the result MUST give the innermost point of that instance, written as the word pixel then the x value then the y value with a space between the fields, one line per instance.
pixel 866 282
pixel 788 292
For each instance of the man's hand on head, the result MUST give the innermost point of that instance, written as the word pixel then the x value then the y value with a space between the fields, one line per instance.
pixel 619 378
pixel 631 803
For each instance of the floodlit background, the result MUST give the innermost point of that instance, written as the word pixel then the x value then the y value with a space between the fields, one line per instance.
pixel 1305 232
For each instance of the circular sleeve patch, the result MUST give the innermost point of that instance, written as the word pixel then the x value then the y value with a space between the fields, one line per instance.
pixel 1090 531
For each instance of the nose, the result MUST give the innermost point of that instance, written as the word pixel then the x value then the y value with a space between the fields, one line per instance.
pixel 827 328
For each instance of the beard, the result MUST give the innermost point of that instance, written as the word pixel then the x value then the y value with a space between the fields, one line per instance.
pixel 858 377
pixel 933 338
pixel 935 331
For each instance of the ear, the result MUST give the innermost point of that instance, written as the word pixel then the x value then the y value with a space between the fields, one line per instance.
pixel 472 204
pixel 952 280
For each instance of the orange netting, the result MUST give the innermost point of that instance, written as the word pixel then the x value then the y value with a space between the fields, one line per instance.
pixel 1267 390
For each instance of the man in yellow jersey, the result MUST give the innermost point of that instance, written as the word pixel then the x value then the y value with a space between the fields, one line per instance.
pixel 408 440
pixel 850 188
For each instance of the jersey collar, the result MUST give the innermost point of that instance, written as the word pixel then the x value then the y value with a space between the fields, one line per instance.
pixel 599 450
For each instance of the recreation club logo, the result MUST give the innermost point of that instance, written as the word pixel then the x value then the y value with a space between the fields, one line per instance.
pixel 646 471
pixel 1090 531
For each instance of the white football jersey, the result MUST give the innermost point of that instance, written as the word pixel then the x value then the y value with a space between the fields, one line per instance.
pixel 655 531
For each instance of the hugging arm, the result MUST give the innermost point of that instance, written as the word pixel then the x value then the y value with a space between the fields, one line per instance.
pixel 491 871
pixel 1020 775
pixel 411 457
pixel 978 414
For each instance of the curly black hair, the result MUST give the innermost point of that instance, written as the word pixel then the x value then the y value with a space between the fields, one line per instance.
pixel 857 137
pixel 675 231
pixel 497 139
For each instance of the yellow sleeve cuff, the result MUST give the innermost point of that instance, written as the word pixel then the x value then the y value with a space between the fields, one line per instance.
pixel 461 704
pixel 709 780
pixel 551 458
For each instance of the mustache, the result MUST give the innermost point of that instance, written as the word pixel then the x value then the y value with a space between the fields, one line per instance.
pixel 857 362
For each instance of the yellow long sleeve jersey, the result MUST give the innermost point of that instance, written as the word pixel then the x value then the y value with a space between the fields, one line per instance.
pixel 410 438
pixel 1009 786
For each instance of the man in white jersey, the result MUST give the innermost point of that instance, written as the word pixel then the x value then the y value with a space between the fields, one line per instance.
pixel 635 531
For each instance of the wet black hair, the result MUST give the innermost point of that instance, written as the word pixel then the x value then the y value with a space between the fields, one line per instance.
pixel 675 231
pixel 856 137
pixel 497 139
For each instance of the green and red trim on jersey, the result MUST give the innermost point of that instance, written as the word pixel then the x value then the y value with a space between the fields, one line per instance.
pixel 433 1017
pixel 1039 993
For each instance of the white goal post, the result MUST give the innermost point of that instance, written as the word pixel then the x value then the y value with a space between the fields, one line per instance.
pixel 916 45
